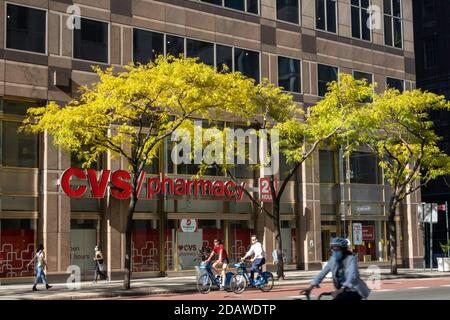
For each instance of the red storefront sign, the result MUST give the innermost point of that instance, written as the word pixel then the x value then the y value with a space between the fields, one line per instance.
pixel 265 194
pixel 121 187
pixel 368 233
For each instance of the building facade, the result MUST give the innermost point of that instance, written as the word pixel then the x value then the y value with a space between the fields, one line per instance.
pixel 298 44
pixel 432 44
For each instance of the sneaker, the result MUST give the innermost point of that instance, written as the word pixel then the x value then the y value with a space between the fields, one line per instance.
pixel 34 288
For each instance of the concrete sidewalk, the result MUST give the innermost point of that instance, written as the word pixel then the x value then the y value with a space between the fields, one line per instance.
pixel 167 285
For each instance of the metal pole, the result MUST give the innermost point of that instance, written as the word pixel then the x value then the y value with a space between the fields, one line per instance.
pixel 446 226
pixel 424 235
pixel 431 240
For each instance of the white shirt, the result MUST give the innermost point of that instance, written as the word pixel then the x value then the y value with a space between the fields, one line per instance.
pixel 257 250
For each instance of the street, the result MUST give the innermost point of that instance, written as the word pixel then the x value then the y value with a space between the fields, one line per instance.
pixel 398 289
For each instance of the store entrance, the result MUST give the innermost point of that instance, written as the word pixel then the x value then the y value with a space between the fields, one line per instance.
pixel 328 232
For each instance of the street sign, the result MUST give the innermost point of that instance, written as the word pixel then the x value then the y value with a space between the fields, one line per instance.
pixel 357 234
pixel 431 213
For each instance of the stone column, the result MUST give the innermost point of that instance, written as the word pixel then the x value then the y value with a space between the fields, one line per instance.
pixel 54 220
pixel 310 223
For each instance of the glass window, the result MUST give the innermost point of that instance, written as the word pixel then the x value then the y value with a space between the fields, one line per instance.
pixel 235 4
pixel 85 205
pixel 325 75
pixel 392 23
pixel 363 75
pixel 203 50
pixel 174 45
pixel 360 19
pixel 145 244
pixel 326 15
pixel 83 239
pixel 320 15
pixel 429 49
pixel 18 149
pixel 327 166
pixel 364 168
pixel 147 45
pixel 25 28
pixel 331 15
pixel 289 74
pixel 16 107
pixel 287 10
pixel 395 84
pixel 428 10
pixel 17 247
pixel 218 2
pixel 224 56
pixel 247 62
pixel 252 6
pixel 19 203
pixel 90 42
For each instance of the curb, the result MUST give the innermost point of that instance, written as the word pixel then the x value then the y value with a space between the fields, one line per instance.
pixel 192 288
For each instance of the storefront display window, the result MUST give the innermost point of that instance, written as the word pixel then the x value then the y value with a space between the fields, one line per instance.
pixel 288 239
pixel 83 239
pixel 17 244
pixel 145 245
pixel 240 232
pixel 370 245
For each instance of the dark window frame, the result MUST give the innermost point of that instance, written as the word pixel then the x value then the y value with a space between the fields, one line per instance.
pixel 300 84
pixel 392 18
pixel 336 18
pixel 146 30
pixel 299 14
pixel 318 80
pixel 5 34
pixel 402 81
pixel 245 9
pixel 360 9
pixel 108 41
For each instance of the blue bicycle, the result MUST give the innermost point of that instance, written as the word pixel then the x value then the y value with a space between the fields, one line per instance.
pixel 206 280
pixel 241 280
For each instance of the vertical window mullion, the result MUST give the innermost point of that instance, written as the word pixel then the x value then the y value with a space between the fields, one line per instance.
pixel 325 9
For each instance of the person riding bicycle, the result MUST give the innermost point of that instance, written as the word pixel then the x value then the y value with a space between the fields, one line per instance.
pixel 259 256
pixel 344 267
pixel 222 259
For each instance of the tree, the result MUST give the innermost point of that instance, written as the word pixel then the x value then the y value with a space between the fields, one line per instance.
pixel 129 114
pixel 300 135
pixel 397 129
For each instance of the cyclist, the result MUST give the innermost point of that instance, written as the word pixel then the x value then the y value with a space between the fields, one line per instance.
pixel 259 256
pixel 222 259
pixel 344 266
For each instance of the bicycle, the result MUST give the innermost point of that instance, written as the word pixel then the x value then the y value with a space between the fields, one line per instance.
pixel 241 280
pixel 320 295
pixel 206 280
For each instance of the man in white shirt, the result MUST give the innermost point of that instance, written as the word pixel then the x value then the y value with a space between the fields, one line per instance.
pixel 259 256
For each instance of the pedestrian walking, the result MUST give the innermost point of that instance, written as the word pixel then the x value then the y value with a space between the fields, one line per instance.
pixel 40 266
pixel 277 262
pixel 99 265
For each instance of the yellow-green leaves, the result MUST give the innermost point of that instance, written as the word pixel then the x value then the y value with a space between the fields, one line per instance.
pixel 397 127
pixel 129 113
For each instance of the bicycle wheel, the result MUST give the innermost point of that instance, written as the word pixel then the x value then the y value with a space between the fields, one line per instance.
pixel 238 283
pixel 268 281
pixel 204 284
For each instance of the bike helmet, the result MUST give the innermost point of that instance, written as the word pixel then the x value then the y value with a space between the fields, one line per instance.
pixel 339 242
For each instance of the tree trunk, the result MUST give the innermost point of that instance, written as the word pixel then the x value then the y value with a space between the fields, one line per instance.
pixel 278 240
pixel 392 232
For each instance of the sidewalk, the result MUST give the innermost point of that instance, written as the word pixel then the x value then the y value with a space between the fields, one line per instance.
pixel 143 287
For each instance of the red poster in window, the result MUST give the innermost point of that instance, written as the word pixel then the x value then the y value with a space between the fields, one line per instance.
pixel 368 233
pixel 265 193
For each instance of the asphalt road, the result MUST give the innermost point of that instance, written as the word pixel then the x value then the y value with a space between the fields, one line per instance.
pixel 401 289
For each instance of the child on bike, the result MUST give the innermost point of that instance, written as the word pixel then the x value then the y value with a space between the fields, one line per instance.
pixel 222 259
pixel 344 267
